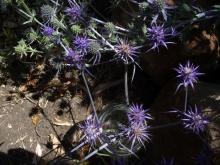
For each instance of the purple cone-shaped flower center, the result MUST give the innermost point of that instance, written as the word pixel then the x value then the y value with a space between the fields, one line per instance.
pixel 47 30
pixel 74 12
pixel 126 51
pixel 81 44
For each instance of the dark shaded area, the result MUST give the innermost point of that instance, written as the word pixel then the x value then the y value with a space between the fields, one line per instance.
pixel 212 76
pixel 17 156
pixel 103 9
pixel 20 156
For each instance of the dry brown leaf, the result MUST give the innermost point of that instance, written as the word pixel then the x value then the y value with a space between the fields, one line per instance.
pixel 78 98
pixel 55 82
pixel 41 67
pixel 36 119
pixel 32 82
pixel 22 88
pixel 57 147
pixel 60 122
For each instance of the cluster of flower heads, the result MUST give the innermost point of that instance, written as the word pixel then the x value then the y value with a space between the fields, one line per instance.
pixel 138 128
pixel 76 55
pixel 192 118
pixel 75 52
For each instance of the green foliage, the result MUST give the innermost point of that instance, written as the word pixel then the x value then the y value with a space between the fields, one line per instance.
pixel 31 35
pixel 110 28
pixel 22 49
pixel 20 2
pixel 58 23
pixel 76 29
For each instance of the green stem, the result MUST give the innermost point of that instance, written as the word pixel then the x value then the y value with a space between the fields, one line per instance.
pixel 26 7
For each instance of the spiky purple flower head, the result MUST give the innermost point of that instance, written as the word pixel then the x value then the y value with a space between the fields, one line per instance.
pixel 160 7
pixel 74 11
pixel 125 51
pixel 136 133
pixel 72 56
pixel 92 130
pixel 137 114
pixel 75 58
pixel 158 35
pixel 81 44
pixel 47 30
pixel 187 74
pixel 194 120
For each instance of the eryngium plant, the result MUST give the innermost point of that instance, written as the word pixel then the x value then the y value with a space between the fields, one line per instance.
pixel 82 41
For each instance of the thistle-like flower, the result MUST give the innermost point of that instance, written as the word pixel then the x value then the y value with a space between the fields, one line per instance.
pixel 48 13
pixel 194 120
pixel 92 130
pixel 137 114
pixel 136 133
pixel 74 11
pixel 47 30
pixel 160 7
pixel 81 44
pixel 158 36
pixel 94 48
pixel 72 56
pixel 125 51
pixel 188 75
